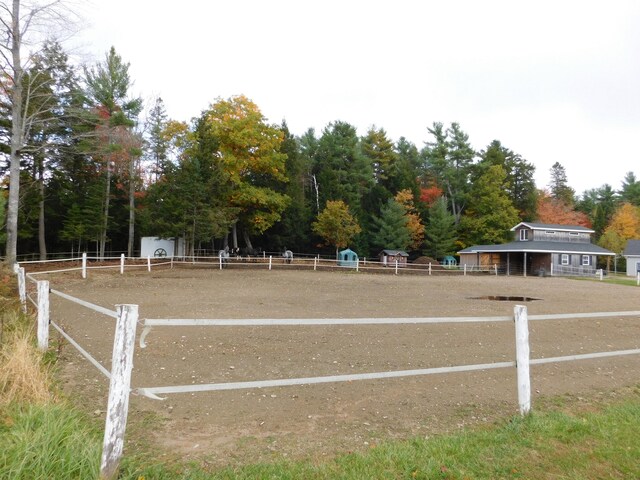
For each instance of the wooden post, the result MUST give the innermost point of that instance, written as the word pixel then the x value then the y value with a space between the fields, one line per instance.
pixel 270 259
pixel 551 269
pixel 522 358
pixel 495 267
pixel 22 289
pixel 148 263
pixel 121 263
pixel 171 262
pixel 465 269
pixel 43 314
pixel 396 266
pixel 84 265
pixel 357 264
pixel 601 274
pixel 429 268
pixel 638 278
pixel 315 262
pixel 119 386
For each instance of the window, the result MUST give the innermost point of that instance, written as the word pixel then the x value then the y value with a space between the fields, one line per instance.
pixel 524 235
pixel 550 232
pixel 586 260
pixel 564 259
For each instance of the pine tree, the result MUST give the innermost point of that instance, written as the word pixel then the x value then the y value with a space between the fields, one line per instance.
pixel 441 231
pixel 391 230
pixel 559 186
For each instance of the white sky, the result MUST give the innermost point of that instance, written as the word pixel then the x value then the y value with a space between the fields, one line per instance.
pixel 552 80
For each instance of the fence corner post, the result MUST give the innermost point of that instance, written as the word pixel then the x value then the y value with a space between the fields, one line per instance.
pixel 119 386
pixel 43 314
pixel 522 358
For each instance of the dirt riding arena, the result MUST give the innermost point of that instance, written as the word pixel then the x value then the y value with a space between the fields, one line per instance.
pixel 318 420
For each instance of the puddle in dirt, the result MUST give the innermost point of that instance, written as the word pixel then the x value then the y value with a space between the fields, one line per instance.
pixel 503 298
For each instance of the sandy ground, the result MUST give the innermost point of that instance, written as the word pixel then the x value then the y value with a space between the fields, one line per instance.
pixel 319 420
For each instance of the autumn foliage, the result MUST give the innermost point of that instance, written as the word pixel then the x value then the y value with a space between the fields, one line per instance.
pixel 556 211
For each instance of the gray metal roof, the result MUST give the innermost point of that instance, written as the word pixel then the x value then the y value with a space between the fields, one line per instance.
pixel 395 252
pixel 632 248
pixel 540 247
pixel 552 226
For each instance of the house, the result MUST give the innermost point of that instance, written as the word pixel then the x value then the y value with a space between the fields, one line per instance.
pixel 539 249
pixel 632 254
pixel 390 257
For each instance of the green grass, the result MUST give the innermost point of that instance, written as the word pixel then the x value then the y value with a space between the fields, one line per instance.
pixel 57 442
pixel 47 442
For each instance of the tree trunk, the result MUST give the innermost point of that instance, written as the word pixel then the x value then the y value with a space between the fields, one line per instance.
pixel 17 123
pixel 41 232
pixel 247 240
pixel 234 236
pixel 105 222
pixel 132 207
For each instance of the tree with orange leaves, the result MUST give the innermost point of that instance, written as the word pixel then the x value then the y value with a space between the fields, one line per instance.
pixel 624 225
pixel 414 224
pixel 556 211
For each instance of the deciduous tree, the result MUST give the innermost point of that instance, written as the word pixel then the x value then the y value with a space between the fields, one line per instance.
pixel 336 225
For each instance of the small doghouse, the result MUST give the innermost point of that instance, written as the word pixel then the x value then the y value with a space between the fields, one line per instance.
pixel 390 257
pixel 347 258
pixel 449 261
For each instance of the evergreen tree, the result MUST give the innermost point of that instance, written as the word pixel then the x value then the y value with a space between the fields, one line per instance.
pixel 559 186
pixel 630 191
pixel 157 143
pixel 441 234
pixel 491 213
pixel 391 230
pixel 520 183
pixel 449 161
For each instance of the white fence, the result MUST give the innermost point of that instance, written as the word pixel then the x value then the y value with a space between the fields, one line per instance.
pixel 126 317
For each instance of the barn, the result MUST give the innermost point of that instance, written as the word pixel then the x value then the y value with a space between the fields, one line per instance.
pixel 539 249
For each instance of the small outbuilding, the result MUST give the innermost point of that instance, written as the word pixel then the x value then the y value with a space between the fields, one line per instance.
pixel 449 261
pixel 390 257
pixel 632 254
pixel 161 247
pixel 347 258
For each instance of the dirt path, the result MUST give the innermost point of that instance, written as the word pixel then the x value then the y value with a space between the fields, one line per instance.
pixel 319 420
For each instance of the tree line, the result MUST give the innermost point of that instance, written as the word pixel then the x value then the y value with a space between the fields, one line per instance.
pixel 83 171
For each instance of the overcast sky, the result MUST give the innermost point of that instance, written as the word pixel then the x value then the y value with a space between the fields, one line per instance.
pixel 555 81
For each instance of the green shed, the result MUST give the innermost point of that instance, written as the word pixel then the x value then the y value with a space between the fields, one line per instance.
pixel 347 258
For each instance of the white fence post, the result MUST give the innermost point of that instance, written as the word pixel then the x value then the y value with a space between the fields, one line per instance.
pixel 495 267
pixel 357 264
pixel 465 269
pixel 315 261
pixel 522 358
pixel 429 268
pixel 43 314
pixel 270 259
pixel 148 263
pixel 396 267
pixel 121 263
pixel 119 386
pixel 84 265
pixel 22 289
pixel 638 279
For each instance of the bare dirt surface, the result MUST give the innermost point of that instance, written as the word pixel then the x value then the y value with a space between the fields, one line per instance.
pixel 315 421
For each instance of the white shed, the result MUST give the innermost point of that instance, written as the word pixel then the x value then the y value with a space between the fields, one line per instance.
pixel 632 255
pixel 161 247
